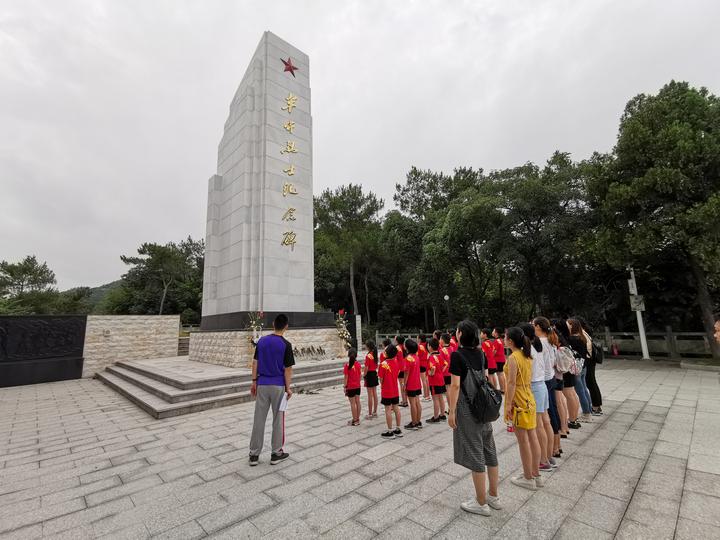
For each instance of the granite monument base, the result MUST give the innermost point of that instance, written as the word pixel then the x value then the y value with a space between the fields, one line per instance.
pixel 241 320
pixel 235 349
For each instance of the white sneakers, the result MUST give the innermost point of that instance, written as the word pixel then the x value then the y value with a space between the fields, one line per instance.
pixel 494 502
pixel 523 482
pixel 475 507
pixel 539 481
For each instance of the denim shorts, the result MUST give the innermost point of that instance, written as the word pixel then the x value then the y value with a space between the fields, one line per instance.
pixel 540 393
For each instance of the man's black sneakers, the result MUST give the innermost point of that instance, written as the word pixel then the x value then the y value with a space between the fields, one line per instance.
pixel 398 432
pixel 277 458
pixel 387 435
pixel 433 420
pixel 409 426
pixel 442 417
pixel 254 460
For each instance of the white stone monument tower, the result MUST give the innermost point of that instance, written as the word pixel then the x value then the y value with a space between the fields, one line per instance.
pixel 259 243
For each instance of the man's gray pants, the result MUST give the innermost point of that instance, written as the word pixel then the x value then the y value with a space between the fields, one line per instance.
pixel 268 396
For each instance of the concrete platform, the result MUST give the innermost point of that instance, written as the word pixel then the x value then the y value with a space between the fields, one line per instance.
pixel 165 387
pixel 77 460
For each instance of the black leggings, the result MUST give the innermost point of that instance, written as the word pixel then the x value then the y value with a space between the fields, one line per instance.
pixel 552 409
pixel 591 381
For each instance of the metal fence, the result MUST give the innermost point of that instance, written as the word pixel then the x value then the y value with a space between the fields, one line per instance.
pixel 668 344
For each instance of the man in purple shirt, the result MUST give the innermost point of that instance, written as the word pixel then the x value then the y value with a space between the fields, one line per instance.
pixel 271 378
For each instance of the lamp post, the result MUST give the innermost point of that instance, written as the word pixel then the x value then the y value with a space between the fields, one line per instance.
pixel 447 305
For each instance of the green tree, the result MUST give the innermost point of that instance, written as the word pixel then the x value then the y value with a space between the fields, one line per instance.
pixel 658 193
pixel 162 279
pixel 344 221
pixel 25 276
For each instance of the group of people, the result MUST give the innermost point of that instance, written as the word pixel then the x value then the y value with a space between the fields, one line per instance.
pixel 545 371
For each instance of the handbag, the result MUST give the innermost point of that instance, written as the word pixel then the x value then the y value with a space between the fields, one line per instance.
pixel 524 417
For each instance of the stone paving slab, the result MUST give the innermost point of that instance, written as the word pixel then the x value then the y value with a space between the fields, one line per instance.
pixel 79 461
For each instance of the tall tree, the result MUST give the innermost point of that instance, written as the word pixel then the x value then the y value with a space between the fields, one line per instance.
pixel 25 276
pixel 344 219
pixel 659 191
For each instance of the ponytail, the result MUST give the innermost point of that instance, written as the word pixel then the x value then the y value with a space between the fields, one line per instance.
pixel 519 340
pixel 352 355
pixel 526 347
pixel 370 345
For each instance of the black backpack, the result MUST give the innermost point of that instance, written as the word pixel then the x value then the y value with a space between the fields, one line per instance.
pixel 483 400
pixel 598 355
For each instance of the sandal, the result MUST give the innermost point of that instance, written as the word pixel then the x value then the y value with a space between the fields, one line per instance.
pixel 355 423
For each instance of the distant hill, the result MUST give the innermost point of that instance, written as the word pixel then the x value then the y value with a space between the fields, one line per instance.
pixel 98 293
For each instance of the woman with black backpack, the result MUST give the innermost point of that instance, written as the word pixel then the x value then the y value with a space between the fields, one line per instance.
pixel 473 441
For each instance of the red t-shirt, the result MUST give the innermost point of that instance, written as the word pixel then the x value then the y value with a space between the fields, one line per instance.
pixel 383 356
pixel 489 350
pixel 437 378
pixel 370 362
pixel 412 372
pixel 388 374
pixel 353 374
pixel 453 344
pixel 445 357
pixel 400 358
pixel 422 355
pixel 499 350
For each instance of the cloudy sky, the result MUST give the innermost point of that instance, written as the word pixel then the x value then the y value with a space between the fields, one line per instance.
pixel 111 111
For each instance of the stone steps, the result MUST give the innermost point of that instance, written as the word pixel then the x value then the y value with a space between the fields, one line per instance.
pixel 163 393
pixel 173 394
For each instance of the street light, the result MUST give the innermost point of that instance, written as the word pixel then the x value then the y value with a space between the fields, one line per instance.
pixel 447 305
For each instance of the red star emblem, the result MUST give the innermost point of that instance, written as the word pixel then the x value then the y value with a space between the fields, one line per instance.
pixel 289 66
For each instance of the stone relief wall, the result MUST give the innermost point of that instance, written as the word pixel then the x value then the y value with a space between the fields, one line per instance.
pixel 233 349
pixel 109 338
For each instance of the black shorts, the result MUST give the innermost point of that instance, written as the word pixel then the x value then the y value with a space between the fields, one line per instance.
pixel 500 366
pixel 423 369
pixel 448 379
pixel 352 392
pixel 371 379
pixel 438 390
pixel 414 393
pixel 559 385
pixel 492 371
pixel 401 375
pixel 390 401
pixel 568 380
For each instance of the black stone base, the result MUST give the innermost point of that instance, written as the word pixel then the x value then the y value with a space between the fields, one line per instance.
pixel 40 371
pixel 240 320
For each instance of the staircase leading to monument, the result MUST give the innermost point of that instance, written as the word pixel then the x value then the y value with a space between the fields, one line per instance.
pixel 166 387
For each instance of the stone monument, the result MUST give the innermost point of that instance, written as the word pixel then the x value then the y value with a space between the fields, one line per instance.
pixel 259 241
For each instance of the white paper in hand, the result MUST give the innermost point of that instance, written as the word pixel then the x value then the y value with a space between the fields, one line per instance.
pixel 284 403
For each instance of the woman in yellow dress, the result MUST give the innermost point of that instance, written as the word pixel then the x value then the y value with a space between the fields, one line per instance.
pixel 520 407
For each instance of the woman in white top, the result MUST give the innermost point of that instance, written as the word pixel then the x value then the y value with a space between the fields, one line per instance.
pixel 542 401
pixel 542 330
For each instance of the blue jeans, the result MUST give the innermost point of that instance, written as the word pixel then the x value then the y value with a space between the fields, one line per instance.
pixel 582 391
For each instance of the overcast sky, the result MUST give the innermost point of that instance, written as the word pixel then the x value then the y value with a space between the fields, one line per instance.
pixel 111 111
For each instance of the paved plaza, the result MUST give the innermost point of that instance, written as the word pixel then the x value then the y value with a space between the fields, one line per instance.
pixel 79 461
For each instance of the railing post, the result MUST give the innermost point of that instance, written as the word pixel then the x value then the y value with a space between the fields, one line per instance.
pixel 608 339
pixel 671 343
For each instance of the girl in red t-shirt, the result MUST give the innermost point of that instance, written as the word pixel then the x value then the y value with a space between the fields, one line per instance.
pixel 353 373
pixel 390 393
pixel 437 382
pixel 488 348
pixel 371 378
pixel 413 386
pixel 499 345
pixel 422 355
